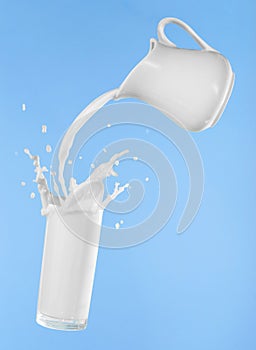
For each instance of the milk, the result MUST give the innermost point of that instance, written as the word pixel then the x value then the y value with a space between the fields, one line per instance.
pixel 72 235
pixel 67 273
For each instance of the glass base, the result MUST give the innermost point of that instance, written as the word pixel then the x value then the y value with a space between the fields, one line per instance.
pixel 60 324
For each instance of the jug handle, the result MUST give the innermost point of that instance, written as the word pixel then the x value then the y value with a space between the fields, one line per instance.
pixel 164 40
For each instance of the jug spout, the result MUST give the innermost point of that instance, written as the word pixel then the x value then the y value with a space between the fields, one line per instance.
pixel 191 87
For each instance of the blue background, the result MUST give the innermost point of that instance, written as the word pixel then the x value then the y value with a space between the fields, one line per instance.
pixel 190 291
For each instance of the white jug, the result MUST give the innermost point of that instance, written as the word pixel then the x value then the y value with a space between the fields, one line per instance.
pixel 191 87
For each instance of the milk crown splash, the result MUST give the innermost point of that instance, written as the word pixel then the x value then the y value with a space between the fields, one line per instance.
pixel 84 197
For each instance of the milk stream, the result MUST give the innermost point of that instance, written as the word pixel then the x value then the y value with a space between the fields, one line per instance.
pixel 77 124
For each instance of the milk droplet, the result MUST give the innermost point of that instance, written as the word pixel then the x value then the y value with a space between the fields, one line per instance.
pixel 48 148
pixel 92 166
pixel 117 225
pixel 23 183
pixel 23 107
pixel 27 151
pixel 135 158
pixel 104 150
pixel 44 129
pixel 32 195
pixel 121 222
pixel 80 157
pixel 147 179
pixel 70 162
pixel 117 162
pixel 108 125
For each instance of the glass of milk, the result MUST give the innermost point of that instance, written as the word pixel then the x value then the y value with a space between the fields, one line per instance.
pixel 68 268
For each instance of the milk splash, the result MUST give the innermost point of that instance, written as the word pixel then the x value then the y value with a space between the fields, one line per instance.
pixel 87 196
